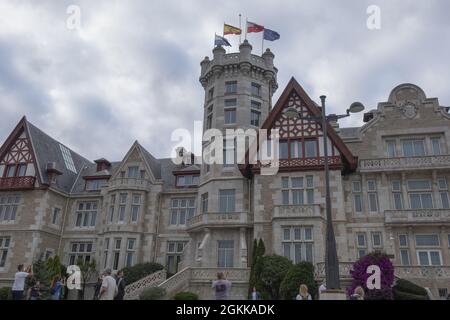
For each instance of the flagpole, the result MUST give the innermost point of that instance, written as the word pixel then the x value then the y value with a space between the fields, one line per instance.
pixel 262 43
pixel 240 27
pixel 246 22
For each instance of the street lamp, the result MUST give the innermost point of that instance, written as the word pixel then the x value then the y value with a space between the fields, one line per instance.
pixel 331 259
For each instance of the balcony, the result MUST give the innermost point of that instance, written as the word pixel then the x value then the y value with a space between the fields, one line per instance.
pixel 130 183
pixel 298 211
pixel 405 163
pixel 218 220
pixel 17 183
pixel 422 216
pixel 422 272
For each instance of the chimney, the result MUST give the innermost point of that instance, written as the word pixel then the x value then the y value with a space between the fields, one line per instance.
pixel 102 164
pixel 52 172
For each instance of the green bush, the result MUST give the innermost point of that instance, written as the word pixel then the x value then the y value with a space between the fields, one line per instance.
pixel 272 272
pixel 301 273
pixel 401 295
pixel 139 271
pixel 185 295
pixel 153 293
pixel 5 293
pixel 406 286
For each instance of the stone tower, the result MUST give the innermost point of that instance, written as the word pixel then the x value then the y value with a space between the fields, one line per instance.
pixel 238 92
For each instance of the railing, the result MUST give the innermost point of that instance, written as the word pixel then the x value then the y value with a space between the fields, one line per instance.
pixel 130 182
pixel 296 211
pixel 404 163
pixel 234 58
pixel 420 272
pixel 133 290
pixel 427 216
pixel 17 183
pixel 176 283
pixel 344 270
pixel 209 274
pixel 301 162
pixel 218 218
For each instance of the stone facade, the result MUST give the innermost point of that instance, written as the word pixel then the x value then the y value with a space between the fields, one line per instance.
pixel 202 219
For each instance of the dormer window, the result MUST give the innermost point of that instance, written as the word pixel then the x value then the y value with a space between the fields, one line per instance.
pixel 133 172
pixel 16 170
pixel 187 180
pixel 96 184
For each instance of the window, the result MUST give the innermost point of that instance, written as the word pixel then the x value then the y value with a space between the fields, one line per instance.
pixel 80 251
pixel 229 152
pixel 298 192
pixel 182 209
pixel 310 148
pixel 391 149
pixel 427 240
pixel 443 193
pixel 56 216
pixel 209 115
pixel 174 253
pixel 130 252
pixel 372 195
pixel 225 253
pixel 227 200
pixel 10 170
pixel 429 257
pixel 297 243
pixel 187 180
pixel 310 189
pixel 283 147
pixel 413 148
pixel 357 196
pixel 117 246
pixel 230 87
pixel 135 207
pixel 210 94
pixel 106 251
pixel 205 202
pixel 443 293
pixel 68 161
pixel 255 105
pixel 230 115
pixel 361 244
pixel 419 198
pixel 96 184
pixel 256 89
pixel 296 149
pixel 112 204
pixel 285 190
pixel 122 206
pixel 4 247
pixel 436 146
pixel 133 172
pixel 230 102
pixel 254 118
pixel 377 241
pixel 21 170
pixel 404 257
pixel 8 208
pixel 86 214
pixel 403 240
pixel 397 195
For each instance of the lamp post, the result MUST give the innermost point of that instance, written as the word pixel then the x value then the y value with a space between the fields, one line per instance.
pixel 331 259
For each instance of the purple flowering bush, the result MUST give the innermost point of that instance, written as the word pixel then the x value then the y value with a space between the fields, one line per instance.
pixel 360 276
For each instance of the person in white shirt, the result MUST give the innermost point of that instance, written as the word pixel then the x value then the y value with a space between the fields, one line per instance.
pixel 109 287
pixel 322 288
pixel 19 281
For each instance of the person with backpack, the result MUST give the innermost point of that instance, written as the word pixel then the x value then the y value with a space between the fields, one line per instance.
pixel 221 287
pixel 120 281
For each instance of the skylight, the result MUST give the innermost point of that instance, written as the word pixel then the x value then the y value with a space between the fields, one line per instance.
pixel 68 159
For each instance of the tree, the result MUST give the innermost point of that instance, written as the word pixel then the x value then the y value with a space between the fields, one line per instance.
pixel 255 271
pixel 40 273
pixel 140 270
pixel 272 272
pixel 360 276
pixel 88 269
pixel 301 273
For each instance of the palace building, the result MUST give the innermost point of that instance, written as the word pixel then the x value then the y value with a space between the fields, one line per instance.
pixel 389 182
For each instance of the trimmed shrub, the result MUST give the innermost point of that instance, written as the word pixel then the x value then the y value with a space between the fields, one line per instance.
pixel 153 293
pixel 139 271
pixel 272 272
pixel 185 295
pixel 360 276
pixel 401 295
pixel 5 293
pixel 301 273
pixel 406 286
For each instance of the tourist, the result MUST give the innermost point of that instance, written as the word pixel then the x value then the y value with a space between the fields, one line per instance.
pixel 303 293
pixel 19 281
pixel 322 288
pixel 358 294
pixel 97 287
pixel 109 288
pixel 120 281
pixel 221 287
pixel 255 295
pixel 57 287
pixel 34 293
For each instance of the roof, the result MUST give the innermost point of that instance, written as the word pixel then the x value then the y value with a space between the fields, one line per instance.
pixel 350 132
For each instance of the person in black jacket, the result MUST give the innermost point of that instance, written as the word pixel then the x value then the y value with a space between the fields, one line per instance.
pixel 120 285
pixel 97 287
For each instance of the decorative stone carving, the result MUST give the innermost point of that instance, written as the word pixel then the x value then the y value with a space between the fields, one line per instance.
pixel 409 109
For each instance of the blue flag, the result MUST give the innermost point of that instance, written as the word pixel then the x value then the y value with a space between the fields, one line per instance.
pixel 221 41
pixel 271 35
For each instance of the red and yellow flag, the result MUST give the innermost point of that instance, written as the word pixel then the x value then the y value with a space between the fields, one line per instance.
pixel 228 29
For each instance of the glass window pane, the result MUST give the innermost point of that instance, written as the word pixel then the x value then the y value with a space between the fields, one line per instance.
pixel 444 200
pixel 297 253
pixel 310 196
pixel 404 257
pixel 297 197
pixel 297 182
pixel 309 252
pixel 358 202
pixel 403 240
pixel 285 194
pixel 391 148
pixel 398 203
pixel 419 148
pixel 427 202
pixel 310 148
pixel 287 250
pixel 427 240
pixel 297 234
pixel 308 233
pixel 283 150
pixel 373 204
pixel 356 185
pixel 286 234
pixel 435 258
pixel 435 142
pixel 414 199
pixel 423 258
pixel 408 150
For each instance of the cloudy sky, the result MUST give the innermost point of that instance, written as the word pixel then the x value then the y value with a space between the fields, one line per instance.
pixel 131 70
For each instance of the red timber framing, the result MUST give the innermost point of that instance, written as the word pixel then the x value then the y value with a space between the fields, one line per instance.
pixel 299 132
pixel 16 155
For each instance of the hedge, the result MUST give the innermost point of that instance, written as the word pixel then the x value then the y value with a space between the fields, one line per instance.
pixel 185 295
pixel 301 273
pixel 153 293
pixel 409 287
pixel 401 295
pixel 5 293
pixel 272 273
pixel 139 271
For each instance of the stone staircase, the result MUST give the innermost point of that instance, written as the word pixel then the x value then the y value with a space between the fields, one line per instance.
pixel 133 290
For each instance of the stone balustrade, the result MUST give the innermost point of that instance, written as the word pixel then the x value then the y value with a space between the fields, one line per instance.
pixel 344 270
pixel 131 183
pixel 422 272
pixel 296 211
pixel 220 219
pixel 422 216
pixel 404 163
pixel 133 290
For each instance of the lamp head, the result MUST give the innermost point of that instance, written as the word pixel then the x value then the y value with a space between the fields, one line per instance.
pixel 356 107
